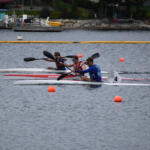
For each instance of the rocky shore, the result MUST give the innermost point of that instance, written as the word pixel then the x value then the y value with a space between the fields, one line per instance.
pixel 104 24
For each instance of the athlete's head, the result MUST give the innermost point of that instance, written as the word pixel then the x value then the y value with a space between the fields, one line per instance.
pixel 75 59
pixel 89 61
pixel 57 54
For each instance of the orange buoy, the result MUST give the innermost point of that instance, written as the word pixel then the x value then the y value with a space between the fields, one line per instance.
pixel 80 55
pixel 117 99
pixel 122 59
pixel 51 89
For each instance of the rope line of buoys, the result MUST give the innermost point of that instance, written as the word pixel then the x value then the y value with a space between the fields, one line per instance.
pixel 78 42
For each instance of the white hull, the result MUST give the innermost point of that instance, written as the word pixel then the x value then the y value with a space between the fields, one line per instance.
pixel 55 76
pixel 66 82
pixel 33 70
pixel 42 70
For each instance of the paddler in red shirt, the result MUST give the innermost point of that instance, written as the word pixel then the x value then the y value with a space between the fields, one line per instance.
pixel 77 65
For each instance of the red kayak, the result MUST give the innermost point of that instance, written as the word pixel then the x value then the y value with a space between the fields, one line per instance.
pixel 55 76
pixel 39 75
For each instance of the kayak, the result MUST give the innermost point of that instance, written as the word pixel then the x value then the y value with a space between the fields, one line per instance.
pixel 72 82
pixel 44 70
pixel 44 76
pixel 41 70
pixel 55 76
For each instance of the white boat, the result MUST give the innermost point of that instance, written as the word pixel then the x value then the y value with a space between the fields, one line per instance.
pixel 42 70
pixel 70 82
pixel 55 76
pixel 19 37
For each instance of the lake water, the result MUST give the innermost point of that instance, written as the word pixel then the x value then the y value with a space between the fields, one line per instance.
pixel 75 117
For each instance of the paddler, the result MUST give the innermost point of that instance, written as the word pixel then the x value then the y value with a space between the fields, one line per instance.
pixel 77 65
pixel 93 70
pixel 58 60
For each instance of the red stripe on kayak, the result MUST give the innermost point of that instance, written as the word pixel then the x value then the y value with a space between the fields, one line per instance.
pixel 69 76
pixel 38 75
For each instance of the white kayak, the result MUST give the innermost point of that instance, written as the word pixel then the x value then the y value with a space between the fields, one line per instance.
pixel 55 76
pixel 42 70
pixel 70 82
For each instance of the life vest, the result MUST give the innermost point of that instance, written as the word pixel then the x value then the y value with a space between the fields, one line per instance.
pixel 78 66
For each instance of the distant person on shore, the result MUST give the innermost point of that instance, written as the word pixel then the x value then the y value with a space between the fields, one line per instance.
pixel 18 22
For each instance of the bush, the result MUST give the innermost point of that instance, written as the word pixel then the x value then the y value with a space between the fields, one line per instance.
pixel 82 13
pixel 56 14
pixel 148 15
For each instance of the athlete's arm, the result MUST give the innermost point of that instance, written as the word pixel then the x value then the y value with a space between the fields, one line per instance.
pixel 85 71
pixel 64 59
pixel 83 66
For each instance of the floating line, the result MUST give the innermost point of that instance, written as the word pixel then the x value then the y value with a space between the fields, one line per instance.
pixel 77 42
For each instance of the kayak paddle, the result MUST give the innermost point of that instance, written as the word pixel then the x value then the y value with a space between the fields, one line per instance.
pixel 32 59
pixel 49 55
pixel 96 55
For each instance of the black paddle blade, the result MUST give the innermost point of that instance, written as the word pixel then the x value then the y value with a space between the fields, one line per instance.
pixel 96 55
pixel 49 55
pixel 70 56
pixel 62 76
pixel 29 59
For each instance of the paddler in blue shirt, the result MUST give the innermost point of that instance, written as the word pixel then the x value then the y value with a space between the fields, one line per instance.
pixel 58 60
pixel 93 70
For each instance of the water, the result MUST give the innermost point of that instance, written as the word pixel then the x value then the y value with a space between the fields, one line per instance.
pixel 75 117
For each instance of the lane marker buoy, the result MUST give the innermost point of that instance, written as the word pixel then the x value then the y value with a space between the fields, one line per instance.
pixel 51 89
pixel 80 55
pixel 122 59
pixel 117 99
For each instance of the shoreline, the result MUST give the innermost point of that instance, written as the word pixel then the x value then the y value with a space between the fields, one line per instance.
pixel 95 24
